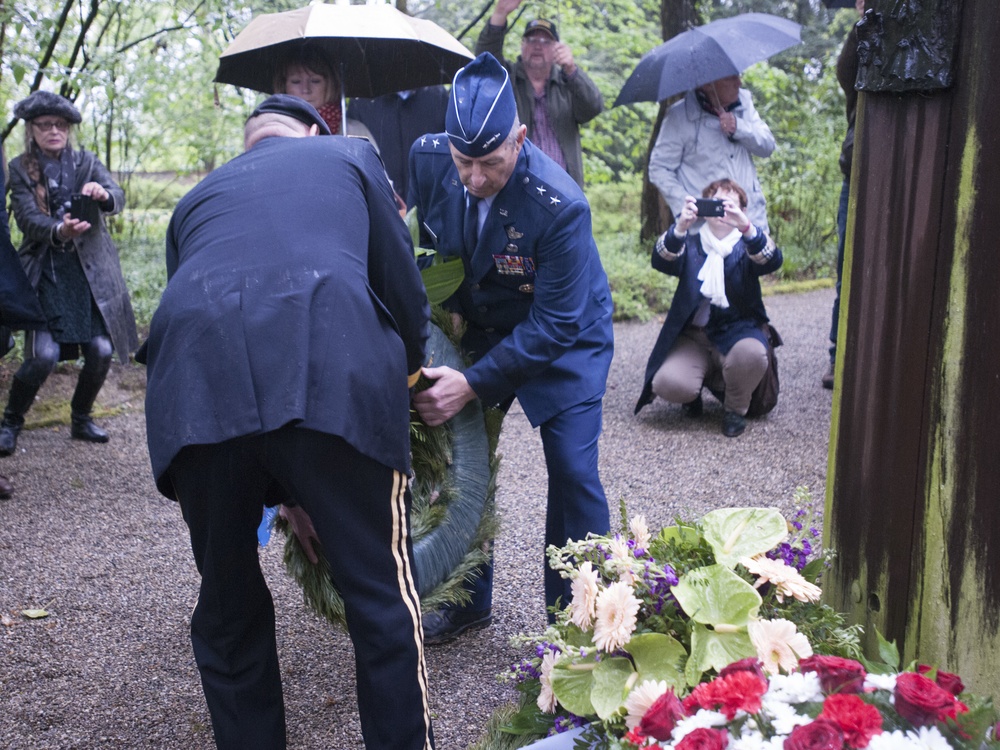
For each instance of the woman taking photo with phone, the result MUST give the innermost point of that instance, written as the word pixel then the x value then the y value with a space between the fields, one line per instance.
pixel 716 333
pixel 71 263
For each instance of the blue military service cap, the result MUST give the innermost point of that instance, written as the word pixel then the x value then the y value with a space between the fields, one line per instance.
pixel 481 108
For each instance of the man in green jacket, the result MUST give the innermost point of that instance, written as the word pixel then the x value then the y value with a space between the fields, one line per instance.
pixel 554 96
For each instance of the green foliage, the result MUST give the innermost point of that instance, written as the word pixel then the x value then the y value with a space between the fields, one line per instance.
pixel 142 259
pixel 639 292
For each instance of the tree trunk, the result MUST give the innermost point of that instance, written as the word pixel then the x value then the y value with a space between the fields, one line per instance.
pixel 675 16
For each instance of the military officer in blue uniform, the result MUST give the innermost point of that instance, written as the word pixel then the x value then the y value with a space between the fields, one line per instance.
pixel 535 299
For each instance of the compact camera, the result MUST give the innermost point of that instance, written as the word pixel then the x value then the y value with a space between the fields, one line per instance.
pixel 706 207
pixel 84 208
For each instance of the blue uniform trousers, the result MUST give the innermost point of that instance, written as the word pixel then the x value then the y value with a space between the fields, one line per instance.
pixel 577 504
pixel 360 510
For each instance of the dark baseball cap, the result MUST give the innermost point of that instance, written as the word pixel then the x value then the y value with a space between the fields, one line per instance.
pixel 292 106
pixel 541 24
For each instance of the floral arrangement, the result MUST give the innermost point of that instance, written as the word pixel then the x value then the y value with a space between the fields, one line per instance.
pixel 656 613
pixel 826 703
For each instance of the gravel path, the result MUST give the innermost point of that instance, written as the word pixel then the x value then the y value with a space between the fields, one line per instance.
pixel 87 537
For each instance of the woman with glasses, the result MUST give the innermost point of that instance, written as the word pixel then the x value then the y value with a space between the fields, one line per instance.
pixel 71 262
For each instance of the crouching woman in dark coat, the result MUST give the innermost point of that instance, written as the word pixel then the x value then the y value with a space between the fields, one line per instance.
pixel 70 261
pixel 714 333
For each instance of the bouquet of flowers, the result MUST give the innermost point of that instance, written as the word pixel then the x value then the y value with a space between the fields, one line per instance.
pixel 827 703
pixel 652 613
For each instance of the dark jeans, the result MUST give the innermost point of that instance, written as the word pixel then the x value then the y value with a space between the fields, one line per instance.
pixel 841 236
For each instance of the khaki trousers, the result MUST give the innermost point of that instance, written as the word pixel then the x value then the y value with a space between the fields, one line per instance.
pixel 694 362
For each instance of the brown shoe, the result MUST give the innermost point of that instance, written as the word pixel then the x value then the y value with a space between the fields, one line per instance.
pixel 828 378
pixel 6 487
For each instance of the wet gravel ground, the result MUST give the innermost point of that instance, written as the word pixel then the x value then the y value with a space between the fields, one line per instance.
pixel 87 537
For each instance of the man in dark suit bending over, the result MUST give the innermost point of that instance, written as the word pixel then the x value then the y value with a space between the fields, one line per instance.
pixel 279 371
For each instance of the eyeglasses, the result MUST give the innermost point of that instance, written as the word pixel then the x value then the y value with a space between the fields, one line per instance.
pixel 45 125
pixel 539 39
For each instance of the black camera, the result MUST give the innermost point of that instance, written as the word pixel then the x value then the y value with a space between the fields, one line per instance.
pixel 708 207
pixel 84 208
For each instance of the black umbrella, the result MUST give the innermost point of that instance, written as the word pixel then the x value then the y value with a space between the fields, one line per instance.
pixel 707 53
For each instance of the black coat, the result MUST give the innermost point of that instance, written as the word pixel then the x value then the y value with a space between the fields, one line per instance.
pixel 19 306
pixel 396 122
pixel 293 297
pixel 95 248
pixel 746 312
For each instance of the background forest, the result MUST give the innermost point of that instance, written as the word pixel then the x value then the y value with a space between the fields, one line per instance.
pixel 141 72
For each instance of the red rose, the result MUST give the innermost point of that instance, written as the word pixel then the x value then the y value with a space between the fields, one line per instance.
pixel 836 675
pixel 751 664
pixel 950 682
pixel 922 702
pixel 704 738
pixel 859 721
pixel 817 735
pixel 661 718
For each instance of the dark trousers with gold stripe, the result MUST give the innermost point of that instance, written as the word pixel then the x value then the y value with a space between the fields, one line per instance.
pixel 360 510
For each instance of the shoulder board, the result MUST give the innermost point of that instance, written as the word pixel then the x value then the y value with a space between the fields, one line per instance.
pixel 543 193
pixel 433 143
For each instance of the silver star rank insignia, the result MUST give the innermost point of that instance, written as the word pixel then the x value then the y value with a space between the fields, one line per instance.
pixel 436 142
pixel 541 190
pixel 423 140
pixel 554 201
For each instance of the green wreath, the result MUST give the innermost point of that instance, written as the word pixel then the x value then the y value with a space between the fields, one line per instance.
pixel 453 520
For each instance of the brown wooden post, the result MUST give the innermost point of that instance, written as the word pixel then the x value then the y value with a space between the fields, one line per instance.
pixel 913 504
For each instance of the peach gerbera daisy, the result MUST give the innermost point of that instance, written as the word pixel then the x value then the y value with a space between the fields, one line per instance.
pixel 617 608
pixel 779 644
pixel 584 592
pixel 786 580
pixel 546 698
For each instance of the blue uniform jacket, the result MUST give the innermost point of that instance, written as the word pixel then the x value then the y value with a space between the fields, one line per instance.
pixel 535 295
pixel 742 319
pixel 292 298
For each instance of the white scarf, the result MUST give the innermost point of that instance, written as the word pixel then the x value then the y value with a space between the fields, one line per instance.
pixel 713 273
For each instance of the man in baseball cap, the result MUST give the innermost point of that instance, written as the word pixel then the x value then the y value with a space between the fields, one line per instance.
pixel 554 96
pixel 534 299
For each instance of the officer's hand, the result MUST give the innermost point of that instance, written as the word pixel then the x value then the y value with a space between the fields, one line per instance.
pixel 302 527
pixel 444 399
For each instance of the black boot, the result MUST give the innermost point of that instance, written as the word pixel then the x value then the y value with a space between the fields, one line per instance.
pixel 87 387
pixel 22 396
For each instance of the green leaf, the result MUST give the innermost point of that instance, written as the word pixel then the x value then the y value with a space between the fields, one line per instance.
pixel 680 535
pixel 442 279
pixel 734 533
pixel 711 649
pixel 573 682
pixel 658 657
pixel 609 687
pixel 887 651
pixel 715 595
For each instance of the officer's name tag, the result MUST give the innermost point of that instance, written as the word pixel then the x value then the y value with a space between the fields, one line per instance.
pixel 514 265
